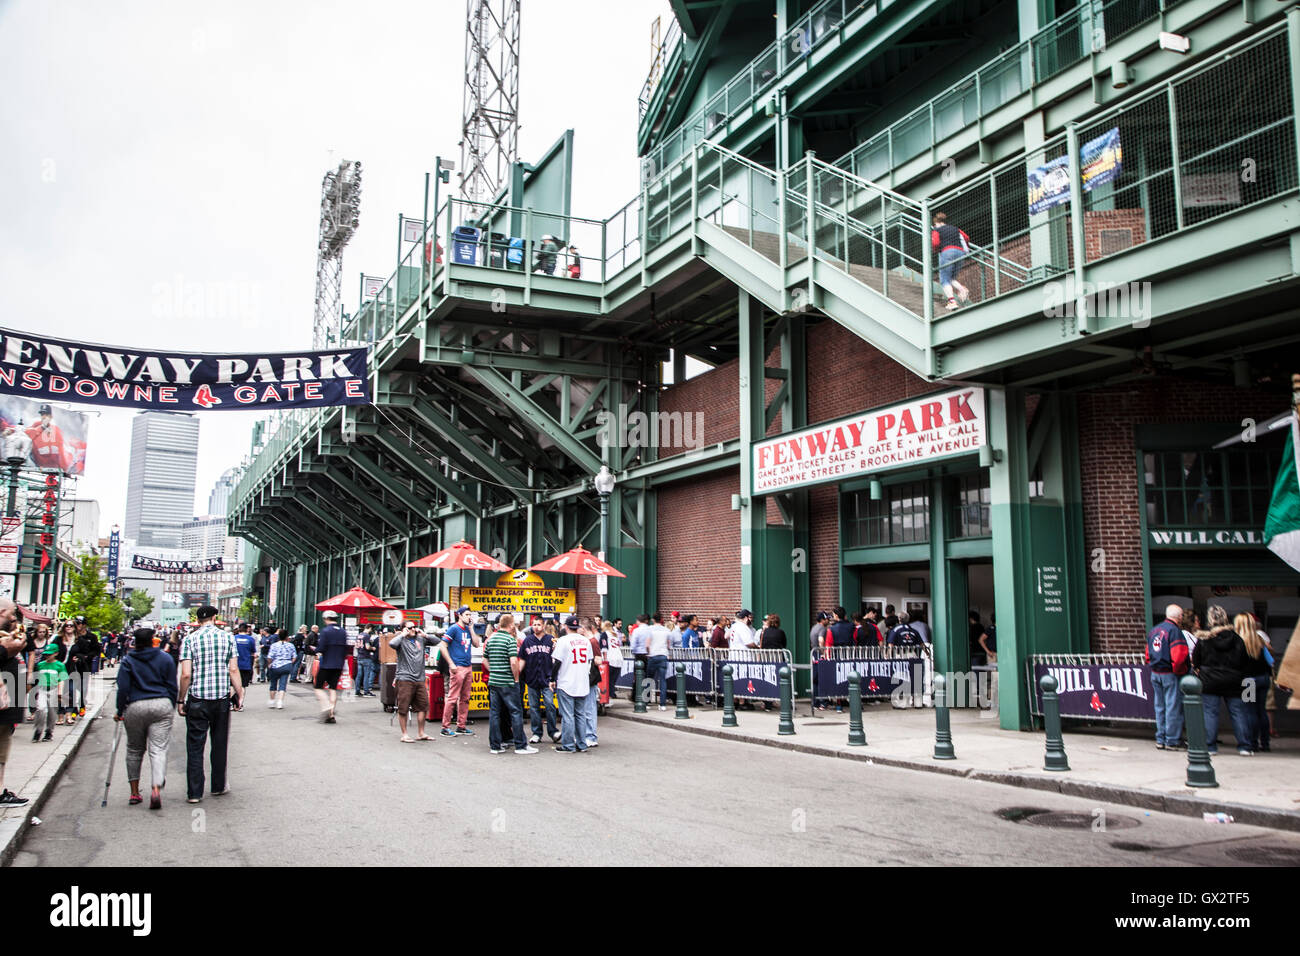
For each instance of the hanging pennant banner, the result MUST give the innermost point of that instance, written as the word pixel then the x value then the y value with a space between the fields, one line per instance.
pixel 157 565
pixel 40 367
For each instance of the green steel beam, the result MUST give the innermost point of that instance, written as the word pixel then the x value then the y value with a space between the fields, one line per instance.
pixel 412 459
pixel 536 417
pixel 301 521
pixel 428 413
pixel 365 499
pixel 389 484
pixel 697 62
pixel 334 522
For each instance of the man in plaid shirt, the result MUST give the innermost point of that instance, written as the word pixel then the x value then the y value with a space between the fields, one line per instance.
pixel 209 687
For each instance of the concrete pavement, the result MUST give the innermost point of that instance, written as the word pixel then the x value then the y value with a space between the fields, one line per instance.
pixel 1116 765
pixel 350 793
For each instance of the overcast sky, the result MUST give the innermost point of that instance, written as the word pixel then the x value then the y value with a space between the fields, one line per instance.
pixel 163 162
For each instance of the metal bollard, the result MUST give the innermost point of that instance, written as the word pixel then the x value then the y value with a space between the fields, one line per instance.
pixel 728 701
pixel 1200 772
pixel 1055 758
pixel 942 728
pixel 638 688
pixel 682 712
pixel 856 737
pixel 786 725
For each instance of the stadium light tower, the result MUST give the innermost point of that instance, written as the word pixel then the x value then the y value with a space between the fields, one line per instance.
pixel 490 135
pixel 340 211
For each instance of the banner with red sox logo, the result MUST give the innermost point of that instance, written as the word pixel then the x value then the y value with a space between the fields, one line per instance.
pixel 45 368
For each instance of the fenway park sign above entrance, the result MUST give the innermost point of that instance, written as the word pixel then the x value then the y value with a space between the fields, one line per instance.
pixel 40 367
pixel 911 433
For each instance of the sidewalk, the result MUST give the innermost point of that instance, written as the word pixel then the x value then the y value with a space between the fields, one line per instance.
pixel 34 768
pixel 1120 766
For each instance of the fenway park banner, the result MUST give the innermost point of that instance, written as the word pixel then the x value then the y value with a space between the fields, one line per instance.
pixel 158 566
pixel 1097 690
pixel 914 432
pixel 46 368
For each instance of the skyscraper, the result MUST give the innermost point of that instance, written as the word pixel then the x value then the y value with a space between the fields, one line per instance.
pixel 160 483
pixel 219 499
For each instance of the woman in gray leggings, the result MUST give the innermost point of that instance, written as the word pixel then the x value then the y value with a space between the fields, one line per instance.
pixel 146 700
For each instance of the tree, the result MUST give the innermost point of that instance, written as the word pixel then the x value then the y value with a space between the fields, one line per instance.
pixel 141 604
pixel 249 608
pixel 88 595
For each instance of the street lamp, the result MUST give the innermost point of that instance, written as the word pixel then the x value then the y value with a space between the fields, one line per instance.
pixel 17 446
pixel 604 482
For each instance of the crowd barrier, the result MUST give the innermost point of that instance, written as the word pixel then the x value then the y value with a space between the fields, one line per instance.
pixel 1094 686
pixel 754 672
pixel 883 669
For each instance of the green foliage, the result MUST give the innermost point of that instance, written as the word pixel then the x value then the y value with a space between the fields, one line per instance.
pixel 141 605
pixel 87 594
pixel 249 608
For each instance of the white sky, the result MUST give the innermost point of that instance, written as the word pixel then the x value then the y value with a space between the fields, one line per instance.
pixel 162 164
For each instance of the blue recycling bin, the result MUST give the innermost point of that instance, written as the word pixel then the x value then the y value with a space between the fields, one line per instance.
pixel 464 245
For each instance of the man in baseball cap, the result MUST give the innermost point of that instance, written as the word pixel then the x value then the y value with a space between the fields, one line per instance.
pixel 458 642
pixel 332 646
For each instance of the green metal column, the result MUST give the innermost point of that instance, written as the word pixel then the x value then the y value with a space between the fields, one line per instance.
pixel 941 632
pixel 753 511
pixel 1013 572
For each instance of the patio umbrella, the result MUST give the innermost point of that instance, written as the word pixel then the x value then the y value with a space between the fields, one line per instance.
pixel 578 561
pixel 461 556
pixel 353 600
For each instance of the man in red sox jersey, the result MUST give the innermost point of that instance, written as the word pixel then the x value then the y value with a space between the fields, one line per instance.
pixel 50 449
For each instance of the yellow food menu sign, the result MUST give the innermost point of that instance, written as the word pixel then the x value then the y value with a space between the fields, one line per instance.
pixel 518 592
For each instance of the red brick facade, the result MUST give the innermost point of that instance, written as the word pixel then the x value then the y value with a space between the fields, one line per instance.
pixel 1112 491
pixel 699 545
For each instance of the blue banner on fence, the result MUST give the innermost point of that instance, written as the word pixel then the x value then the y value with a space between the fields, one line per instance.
pixel 699 676
pixel 1101 161
pixel 1099 691
pixel 752 679
pixel 879 677
pixel 41 367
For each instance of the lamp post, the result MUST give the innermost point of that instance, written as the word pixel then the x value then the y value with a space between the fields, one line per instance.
pixel 17 446
pixel 604 482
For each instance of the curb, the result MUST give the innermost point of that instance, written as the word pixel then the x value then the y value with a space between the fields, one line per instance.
pixel 13 830
pixel 1178 804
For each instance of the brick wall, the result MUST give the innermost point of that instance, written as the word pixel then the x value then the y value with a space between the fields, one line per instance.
pixel 1112 490
pixel 699 545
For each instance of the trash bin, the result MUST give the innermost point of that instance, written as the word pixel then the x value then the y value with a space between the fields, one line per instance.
pixel 515 254
pixel 497 250
pixel 437 696
pixel 464 245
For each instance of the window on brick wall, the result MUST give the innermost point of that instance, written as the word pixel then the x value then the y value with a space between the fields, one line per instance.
pixel 902 516
pixel 970 518
pixel 1207 488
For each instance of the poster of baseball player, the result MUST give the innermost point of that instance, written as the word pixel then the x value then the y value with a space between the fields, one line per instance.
pixel 58 435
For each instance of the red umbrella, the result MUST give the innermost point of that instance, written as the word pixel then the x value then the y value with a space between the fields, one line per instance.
pixel 461 556
pixel 353 600
pixel 578 561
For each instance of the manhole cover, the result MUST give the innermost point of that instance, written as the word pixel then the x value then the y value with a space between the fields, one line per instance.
pixel 1266 855
pixel 1087 820
pixel 1016 814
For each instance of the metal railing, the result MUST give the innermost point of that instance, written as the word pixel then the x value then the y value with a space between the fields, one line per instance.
pixel 1067 40
pixel 671 42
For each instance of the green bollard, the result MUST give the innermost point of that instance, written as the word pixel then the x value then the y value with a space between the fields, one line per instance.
pixel 942 728
pixel 856 737
pixel 682 712
pixel 1055 758
pixel 786 725
pixel 1200 772
pixel 728 701
pixel 638 688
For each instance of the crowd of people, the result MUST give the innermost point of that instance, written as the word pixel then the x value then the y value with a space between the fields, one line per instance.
pixel 1235 664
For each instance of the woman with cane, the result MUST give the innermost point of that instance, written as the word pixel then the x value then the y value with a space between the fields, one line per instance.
pixel 146 701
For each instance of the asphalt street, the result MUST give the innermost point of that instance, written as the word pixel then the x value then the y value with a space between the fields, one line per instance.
pixel 351 793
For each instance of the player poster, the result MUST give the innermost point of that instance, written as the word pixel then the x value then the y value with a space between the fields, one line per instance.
pixel 58 436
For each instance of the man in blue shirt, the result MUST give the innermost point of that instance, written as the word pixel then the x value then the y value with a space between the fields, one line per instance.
pixel 458 644
pixel 331 643
pixel 690 636
pixel 245 650
pixel 366 648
